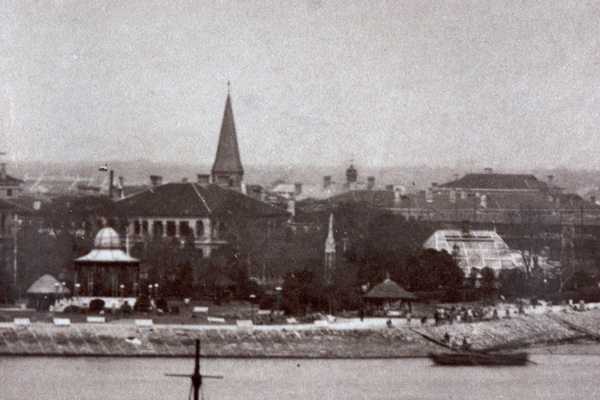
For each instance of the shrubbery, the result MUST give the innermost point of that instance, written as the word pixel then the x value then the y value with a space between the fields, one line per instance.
pixel 162 305
pixel 96 305
pixel 142 304
pixel 72 310
pixel 126 308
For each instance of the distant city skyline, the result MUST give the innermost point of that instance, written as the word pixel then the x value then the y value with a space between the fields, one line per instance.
pixel 456 83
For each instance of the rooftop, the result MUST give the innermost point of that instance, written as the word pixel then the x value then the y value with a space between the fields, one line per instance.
pixel 491 181
pixel 195 200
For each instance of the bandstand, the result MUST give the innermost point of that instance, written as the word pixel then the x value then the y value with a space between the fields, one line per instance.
pixel 107 271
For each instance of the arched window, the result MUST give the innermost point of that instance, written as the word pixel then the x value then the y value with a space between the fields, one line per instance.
pixel 185 230
pixel 136 227
pixel 171 228
pixel 199 228
pixel 158 228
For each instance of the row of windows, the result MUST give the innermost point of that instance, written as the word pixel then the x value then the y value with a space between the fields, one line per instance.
pixel 170 228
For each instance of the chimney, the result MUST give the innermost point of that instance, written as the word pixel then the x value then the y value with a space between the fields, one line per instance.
pixel 326 181
pixel 203 179
pixel 370 182
pixel 297 188
pixel 3 171
pixel 429 195
pixel 483 201
pixel 156 180
pixel 397 194
pixel 389 188
pixel 551 180
pixel 488 170
pixel 291 207
pixel 111 178
pixel 121 187
pixel 593 199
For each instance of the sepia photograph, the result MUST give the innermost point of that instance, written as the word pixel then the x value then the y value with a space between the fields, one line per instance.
pixel 299 199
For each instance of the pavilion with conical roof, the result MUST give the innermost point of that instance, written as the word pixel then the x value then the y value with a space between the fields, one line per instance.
pixel 389 291
pixel 227 170
pixel 45 291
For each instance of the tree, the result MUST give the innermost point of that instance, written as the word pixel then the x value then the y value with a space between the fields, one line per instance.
pixel 303 292
pixel 530 231
pixel 513 283
pixel 488 281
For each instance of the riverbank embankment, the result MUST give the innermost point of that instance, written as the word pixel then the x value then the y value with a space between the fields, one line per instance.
pixel 346 339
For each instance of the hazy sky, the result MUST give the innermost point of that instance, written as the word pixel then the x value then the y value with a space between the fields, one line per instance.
pixel 496 83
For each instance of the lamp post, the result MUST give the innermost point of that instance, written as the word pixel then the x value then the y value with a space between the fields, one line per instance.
pixel 77 286
pixel 278 291
pixel 156 290
pixel 252 298
pixel 150 290
pixel 122 287
pixel 16 227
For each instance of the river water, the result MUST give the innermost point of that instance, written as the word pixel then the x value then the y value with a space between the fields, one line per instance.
pixel 552 377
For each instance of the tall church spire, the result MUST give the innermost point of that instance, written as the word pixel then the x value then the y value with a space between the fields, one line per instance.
pixel 227 169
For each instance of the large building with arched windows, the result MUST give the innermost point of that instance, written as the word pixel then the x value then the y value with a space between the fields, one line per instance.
pixel 209 213
pixel 205 215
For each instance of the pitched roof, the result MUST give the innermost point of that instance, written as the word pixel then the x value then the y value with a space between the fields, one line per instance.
pixel 13 205
pixel 194 200
pixel 388 289
pixel 47 284
pixel 10 181
pixel 497 181
pixel 228 155
pixel 374 198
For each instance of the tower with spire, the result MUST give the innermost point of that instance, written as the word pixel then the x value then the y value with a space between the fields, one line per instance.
pixel 329 251
pixel 227 170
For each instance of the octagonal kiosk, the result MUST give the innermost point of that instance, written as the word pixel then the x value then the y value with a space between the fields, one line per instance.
pixel 107 272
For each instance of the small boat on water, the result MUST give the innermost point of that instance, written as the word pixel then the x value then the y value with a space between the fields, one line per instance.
pixel 472 358
pixel 466 356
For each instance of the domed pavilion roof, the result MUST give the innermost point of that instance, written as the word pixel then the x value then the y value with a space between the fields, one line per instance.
pixel 107 238
pixel 107 249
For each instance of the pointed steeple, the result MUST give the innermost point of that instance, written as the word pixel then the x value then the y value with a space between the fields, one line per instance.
pixel 329 252
pixel 227 169
pixel 330 241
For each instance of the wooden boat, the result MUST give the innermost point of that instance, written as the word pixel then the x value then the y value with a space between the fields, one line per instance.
pixel 479 358
pixel 489 356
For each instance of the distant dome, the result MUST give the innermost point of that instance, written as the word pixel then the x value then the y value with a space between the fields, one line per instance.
pixel 107 238
pixel 351 174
